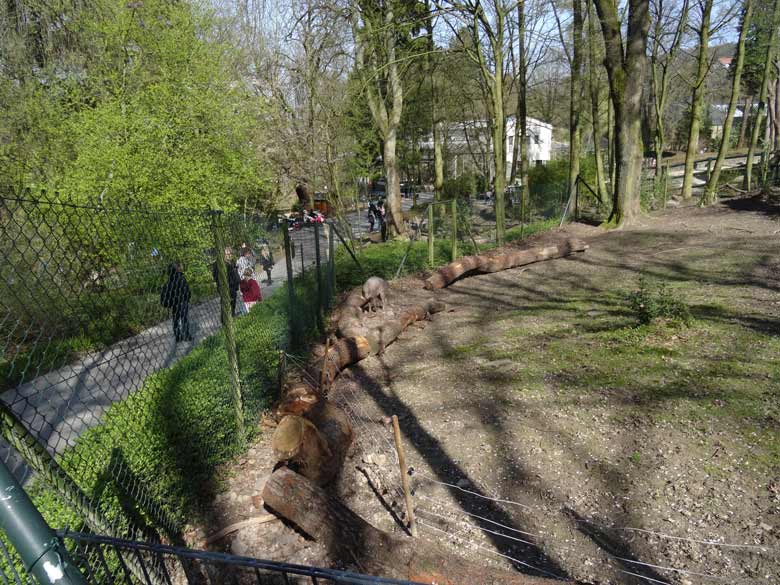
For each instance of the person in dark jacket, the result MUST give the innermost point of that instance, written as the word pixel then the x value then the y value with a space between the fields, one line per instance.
pixel 234 280
pixel 177 292
pixel 267 260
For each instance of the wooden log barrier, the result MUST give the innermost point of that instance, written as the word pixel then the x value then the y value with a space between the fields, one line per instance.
pixel 501 260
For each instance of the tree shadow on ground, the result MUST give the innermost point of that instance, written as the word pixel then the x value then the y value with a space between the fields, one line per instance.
pixel 755 204
pixel 448 471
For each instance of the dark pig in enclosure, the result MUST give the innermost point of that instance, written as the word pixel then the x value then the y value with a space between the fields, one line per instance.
pixel 375 288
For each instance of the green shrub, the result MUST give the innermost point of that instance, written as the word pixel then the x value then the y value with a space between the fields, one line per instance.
pixel 654 301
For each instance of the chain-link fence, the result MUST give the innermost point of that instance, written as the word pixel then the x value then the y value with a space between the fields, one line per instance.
pixel 139 347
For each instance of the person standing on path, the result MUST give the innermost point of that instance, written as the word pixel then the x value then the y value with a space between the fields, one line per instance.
pixel 176 296
pixel 245 261
pixel 371 218
pixel 267 260
pixel 250 290
pixel 233 279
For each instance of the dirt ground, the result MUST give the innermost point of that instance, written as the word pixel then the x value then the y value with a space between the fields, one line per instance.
pixel 548 432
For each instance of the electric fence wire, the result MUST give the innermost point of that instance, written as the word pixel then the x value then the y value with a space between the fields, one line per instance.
pixel 491 551
pixel 454 514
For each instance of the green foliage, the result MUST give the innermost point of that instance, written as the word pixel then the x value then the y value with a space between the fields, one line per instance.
pixel 464 187
pixel 518 233
pixel 654 301
pixel 146 108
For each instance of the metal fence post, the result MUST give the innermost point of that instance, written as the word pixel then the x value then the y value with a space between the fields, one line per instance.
pixel 289 249
pixel 227 323
pixel 303 266
pixel 454 206
pixel 430 234
pixel 318 261
pixel 577 198
pixel 41 461
pixel 42 553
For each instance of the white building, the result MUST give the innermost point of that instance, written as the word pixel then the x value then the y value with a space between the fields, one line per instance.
pixel 539 141
pixel 468 146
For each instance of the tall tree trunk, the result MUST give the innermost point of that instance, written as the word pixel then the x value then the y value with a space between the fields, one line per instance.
pixel 575 128
pixel 385 100
pixel 697 100
pixel 712 184
pixel 611 145
pixel 747 107
pixel 601 186
pixel 660 83
pixel 626 75
pixel 522 108
pixel 438 161
pixel 747 184
pixel 437 129
pixel 498 136
pixel 776 114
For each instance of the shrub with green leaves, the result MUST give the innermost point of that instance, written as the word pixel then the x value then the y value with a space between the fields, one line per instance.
pixel 654 301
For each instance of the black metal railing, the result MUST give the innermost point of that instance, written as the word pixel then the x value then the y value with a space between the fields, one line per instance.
pixel 106 560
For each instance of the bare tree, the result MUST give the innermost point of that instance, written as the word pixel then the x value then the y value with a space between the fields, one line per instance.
pixel 487 26
pixel 665 40
pixel 760 112
pixel 697 97
pixel 575 90
pixel 594 86
pixel 625 69
pixel 712 184
pixel 377 28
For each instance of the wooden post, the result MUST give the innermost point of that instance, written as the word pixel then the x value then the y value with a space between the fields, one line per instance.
pixel 431 258
pixel 303 267
pixel 454 208
pixel 404 476
pixel 217 223
pixel 577 199
pixel 281 371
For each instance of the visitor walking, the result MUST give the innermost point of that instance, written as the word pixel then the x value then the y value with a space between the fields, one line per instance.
pixel 175 295
pixel 267 260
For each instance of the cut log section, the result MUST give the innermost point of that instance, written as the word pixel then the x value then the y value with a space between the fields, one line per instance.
pixel 357 543
pixel 498 261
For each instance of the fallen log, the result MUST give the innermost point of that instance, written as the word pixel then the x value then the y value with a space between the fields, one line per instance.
pixel 360 339
pixel 359 544
pixel 382 335
pixel 498 261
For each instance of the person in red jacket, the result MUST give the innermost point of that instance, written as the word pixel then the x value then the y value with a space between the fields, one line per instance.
pixel 250 290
